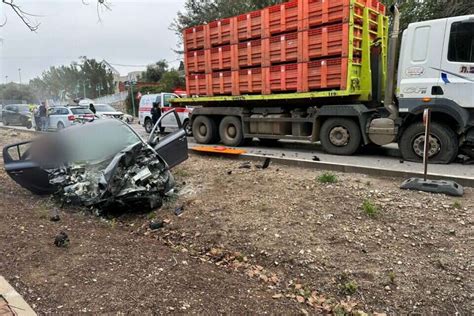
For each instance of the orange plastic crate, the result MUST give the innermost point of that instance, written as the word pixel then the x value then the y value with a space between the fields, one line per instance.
pixel 251 81
pixel 221 32
pixel 250 53
pixel 250 25
pixel 196 84
pixel 327 74
pixel 221 58
pixel 327 11
pixel 195 38
pixel 327 41
pixel 283 17
pixel 196 61
pixel 222 83
pixel 285 78
pixel 284 48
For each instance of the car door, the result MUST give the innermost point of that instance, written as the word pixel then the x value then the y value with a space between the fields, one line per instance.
pixel 173 148
pixel 25 171
pixel 54 116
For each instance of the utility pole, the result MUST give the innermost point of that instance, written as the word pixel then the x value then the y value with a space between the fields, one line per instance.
pixel 19 74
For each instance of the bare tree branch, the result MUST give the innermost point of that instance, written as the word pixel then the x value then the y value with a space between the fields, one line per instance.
pixel 23 15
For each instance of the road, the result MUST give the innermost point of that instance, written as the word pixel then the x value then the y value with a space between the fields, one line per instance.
pixel 386 157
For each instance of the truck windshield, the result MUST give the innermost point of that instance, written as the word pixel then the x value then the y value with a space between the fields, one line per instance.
pixel 461 42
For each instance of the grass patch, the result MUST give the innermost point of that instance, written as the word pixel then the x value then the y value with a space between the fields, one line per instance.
pixel 391 277
pixel 350 287
pixel 457 205
pixel 369 208
pixel 327 177
pixel 181 173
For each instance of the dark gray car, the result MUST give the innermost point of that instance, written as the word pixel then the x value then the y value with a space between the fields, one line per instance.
pixel 98 164
pixel 16 114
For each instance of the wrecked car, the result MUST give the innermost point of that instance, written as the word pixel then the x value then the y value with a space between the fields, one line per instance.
pixel 104 164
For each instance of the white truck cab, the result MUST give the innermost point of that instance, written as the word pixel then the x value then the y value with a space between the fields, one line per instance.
pixel 146 104
pixel 437 63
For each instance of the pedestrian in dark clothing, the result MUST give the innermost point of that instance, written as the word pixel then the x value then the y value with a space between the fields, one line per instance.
pixel 92 108
pixel 155 113
pixel 43 115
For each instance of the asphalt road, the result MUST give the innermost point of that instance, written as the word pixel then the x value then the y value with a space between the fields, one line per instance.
pixel 386 157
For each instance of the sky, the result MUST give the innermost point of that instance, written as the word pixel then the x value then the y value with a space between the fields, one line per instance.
pixel 133 33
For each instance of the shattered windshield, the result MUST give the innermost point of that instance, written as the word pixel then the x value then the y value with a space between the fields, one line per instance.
pixel 98 142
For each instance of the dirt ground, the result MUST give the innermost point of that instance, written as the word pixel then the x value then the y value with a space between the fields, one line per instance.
pixel 247 241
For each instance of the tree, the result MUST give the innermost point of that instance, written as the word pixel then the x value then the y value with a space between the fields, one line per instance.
pixel 198 12
pixel 171 80
pixel 17 92
pixel 154 73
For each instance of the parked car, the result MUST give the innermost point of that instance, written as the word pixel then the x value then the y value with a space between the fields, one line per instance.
pixel 146 104
pixel 108 111
pixel 61 117
pixel 17 114
pixel 99 164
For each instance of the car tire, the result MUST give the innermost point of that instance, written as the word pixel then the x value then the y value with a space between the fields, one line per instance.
pixel 205 130
pixel 340 136
pixel 29 125
pixel 148 125
pixel 445 143
pixel 188 128
pixel 230 131
pixel 60 126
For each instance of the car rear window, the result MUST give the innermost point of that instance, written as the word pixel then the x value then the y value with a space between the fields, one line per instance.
pixel 23 108
pixel 81 111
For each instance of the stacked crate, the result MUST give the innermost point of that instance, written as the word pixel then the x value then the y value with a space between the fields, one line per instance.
pixel 297 46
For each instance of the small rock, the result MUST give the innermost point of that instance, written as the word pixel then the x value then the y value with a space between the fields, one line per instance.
pixel 387 288
pixel 61 240
pixel 154 225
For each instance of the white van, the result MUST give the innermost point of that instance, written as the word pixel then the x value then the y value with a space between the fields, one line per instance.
pixel 146 104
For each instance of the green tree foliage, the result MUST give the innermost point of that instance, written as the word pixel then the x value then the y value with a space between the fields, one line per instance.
pixel 198 12
pixel 65 82
pixel 16 92
pixel 155 72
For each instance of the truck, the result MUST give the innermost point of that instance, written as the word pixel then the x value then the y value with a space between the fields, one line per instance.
pixel 365 100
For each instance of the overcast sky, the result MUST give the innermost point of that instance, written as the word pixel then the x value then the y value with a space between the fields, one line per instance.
pixel 135 32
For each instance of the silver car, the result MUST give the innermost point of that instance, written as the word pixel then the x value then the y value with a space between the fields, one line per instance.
pixel 61 117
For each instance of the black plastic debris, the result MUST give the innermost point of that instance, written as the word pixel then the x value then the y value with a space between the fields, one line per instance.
pixel 433 186
pixel 179 210
pixel 266 164
pixel 155 225
pixel 61 240
pixel 229 172
pixel 245 165
pixel 316 158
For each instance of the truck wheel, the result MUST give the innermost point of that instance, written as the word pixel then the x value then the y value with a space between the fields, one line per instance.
pixel 148 125
pixel 444 143
pixel 230 131
pixel 340 136
pixel 205 130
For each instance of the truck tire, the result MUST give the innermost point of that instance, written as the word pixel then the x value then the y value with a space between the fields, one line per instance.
pixel 340 136
pixel 148 125
pixel 444 143
pixel 230 131
pixel 205 130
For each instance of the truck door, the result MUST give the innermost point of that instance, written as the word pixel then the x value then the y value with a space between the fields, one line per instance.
pixel 457 63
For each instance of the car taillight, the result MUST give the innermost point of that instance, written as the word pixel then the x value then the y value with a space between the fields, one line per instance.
pixel 89 115
pixel 71 117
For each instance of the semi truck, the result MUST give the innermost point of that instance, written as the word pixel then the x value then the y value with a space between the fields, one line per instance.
pixel 360 98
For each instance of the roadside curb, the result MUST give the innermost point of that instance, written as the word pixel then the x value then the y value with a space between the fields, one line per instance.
pixel 346 168
pixel 15 301
pixel 12 128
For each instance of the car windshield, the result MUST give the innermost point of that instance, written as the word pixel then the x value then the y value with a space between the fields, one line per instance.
pixel 104 108
pixel 81 111
pixel 98 141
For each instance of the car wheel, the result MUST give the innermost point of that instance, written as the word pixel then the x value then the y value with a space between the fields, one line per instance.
pixel 230 131
pixel 188 128
pixel 205 130
pixel 60 126
pixel 340 136
pixel 148 125
pixel 444 143
pixel 28 125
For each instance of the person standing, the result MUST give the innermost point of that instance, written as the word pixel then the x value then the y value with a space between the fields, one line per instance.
pixel 155 113
pixel 92 108
pixel 43 116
